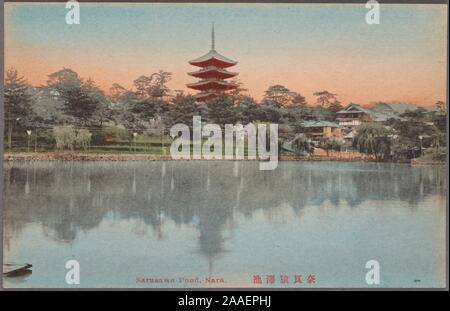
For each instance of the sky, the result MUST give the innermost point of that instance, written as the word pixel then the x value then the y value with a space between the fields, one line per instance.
pixel 305 47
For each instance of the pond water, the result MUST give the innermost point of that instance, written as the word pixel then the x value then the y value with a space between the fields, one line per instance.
pixel 225 224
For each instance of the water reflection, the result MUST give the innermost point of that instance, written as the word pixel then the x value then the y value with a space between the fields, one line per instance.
pixel 69 198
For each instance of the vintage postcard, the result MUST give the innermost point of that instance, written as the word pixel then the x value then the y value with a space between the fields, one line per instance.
pixel 224 145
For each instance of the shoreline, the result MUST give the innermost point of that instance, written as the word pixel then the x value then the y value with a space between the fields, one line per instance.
pixel 83 156
pixel 419 162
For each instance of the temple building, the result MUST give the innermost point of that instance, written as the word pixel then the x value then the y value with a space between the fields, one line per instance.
pixel 321 128
pixel 354 115
pixel 212 74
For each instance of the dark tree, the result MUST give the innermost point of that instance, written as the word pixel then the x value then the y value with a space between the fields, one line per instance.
pixel 325 99
pixel 270 112
pixel 279 94
pixel 153 86
pixel 335 106
pixel 221 110
pixel 238 93
pixel 17 101
pixel 248 111
pixel 440 105
pixel 298 100
pixel 81 99
pixel 374 139
pixel 183 109
pixel 148 109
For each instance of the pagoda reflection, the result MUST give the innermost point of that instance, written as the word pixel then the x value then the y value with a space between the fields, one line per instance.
pixel 67 199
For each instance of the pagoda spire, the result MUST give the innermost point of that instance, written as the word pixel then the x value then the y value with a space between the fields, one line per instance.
pixel 213 39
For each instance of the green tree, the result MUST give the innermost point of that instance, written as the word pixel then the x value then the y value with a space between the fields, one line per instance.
pixel 298 100
pixel 440 105
pixel 270 111
pixel 183 109
pixel 100 104
pixel 221 110
pixel 248 110
pixel 148 109
pixel 48 108
pixel 160 80
pixel 80 99
pixel 284 97
pixel 279 94
pixel 374 139
pixel 17 101
pixel 117 92
pixel 331 144
pixel 302 144
pixel 153 86
pixel 415 134
pixel 321 113
pixel 419 114
pixel 238 93
pixel 325 99
pixel 335 106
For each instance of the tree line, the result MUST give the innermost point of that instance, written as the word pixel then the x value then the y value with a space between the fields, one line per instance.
pixel 150 107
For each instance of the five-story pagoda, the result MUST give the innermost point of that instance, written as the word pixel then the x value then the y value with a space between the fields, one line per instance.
pixel 212 74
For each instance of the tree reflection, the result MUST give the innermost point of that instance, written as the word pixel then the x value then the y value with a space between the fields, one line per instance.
pixel 72 197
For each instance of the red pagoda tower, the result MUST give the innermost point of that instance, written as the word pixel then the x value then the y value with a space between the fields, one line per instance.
pixel 212 74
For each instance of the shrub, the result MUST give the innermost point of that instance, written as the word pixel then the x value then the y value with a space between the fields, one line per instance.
pixel 331 144
pixel 65 137
pixel 83 138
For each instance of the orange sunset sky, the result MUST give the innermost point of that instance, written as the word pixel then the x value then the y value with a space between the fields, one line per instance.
pixel 306 47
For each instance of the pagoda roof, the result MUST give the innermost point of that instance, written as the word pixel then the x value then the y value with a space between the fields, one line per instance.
pixel 212 84
pixel 213 58
pixel 204 96
pixel 212 72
